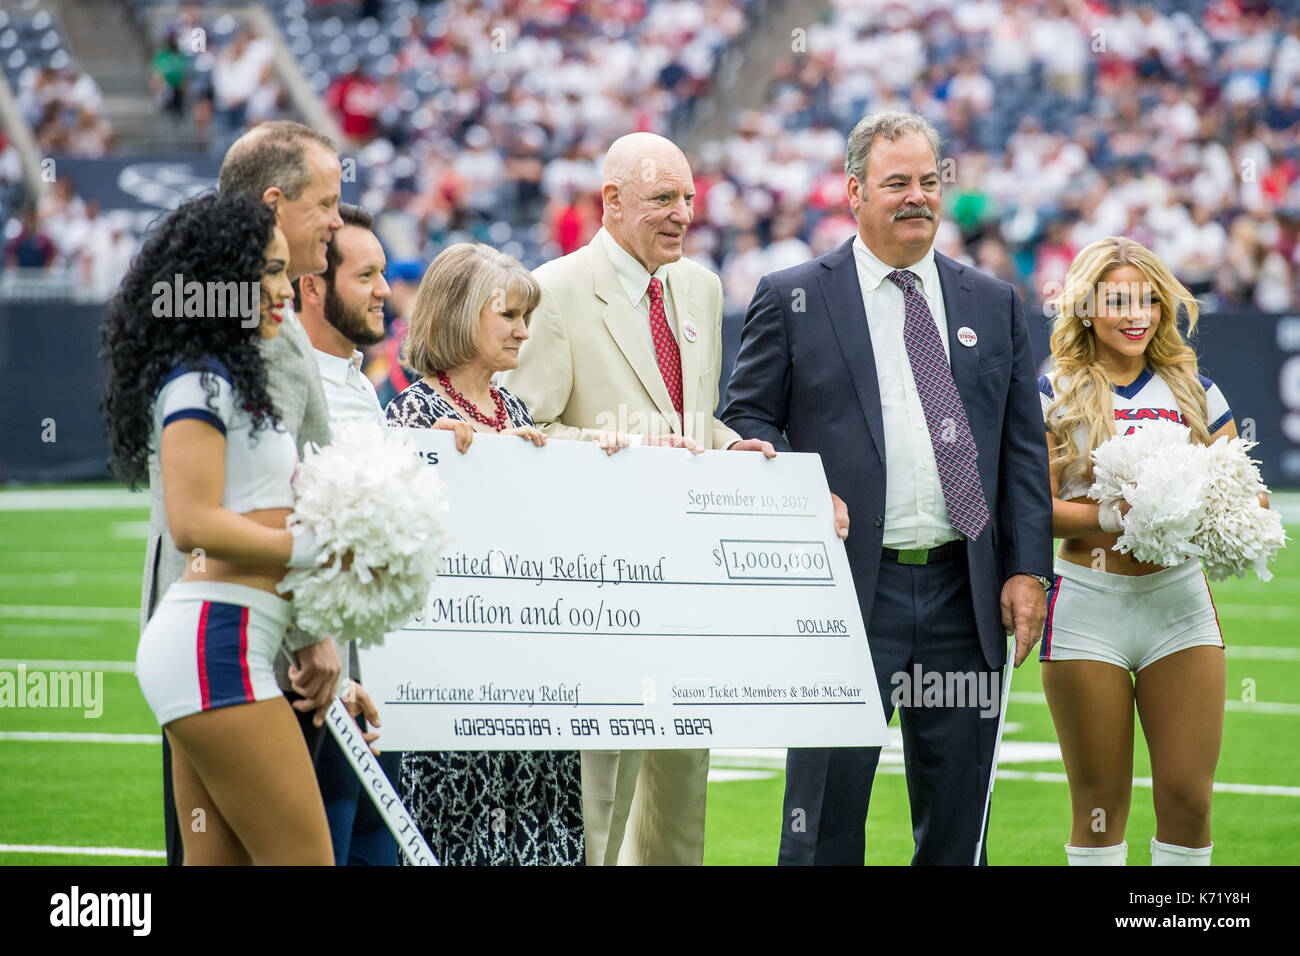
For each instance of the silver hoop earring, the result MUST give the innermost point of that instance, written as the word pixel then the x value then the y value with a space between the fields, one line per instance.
pixel 1087 323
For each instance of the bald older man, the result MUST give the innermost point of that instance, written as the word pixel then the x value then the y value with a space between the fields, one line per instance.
pixel 626 347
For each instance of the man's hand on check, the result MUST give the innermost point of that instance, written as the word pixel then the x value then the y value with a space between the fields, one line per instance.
pixel 675 441
pixel 464 431
pixel 611 442
pixel 753 444
pixel 841 515
pixel 1024 609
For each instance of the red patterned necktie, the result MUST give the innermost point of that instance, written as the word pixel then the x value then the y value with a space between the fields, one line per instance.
pixel 955 452
pixel 666 350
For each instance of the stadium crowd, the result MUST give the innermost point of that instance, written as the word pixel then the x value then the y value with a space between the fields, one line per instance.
pixel 1063 121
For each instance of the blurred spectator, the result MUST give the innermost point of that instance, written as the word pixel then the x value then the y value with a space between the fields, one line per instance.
pixel 356 100
pixel 30 248
pixel 1195 251
pixel 242 68
pixel 11 166
pixel 746 265
pixel 62 212
pixel 64 109
pixel 1052 259
pixel 169 70
pixel 105 255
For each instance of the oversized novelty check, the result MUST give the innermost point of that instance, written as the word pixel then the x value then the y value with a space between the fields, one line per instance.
pixel 647 600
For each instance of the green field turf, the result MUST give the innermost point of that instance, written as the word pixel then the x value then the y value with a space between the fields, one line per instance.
pixel 61 565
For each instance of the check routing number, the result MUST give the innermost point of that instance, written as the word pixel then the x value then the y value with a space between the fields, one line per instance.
pixel 652 599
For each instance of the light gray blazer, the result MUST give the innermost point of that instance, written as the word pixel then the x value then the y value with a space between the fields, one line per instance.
pixel 293 381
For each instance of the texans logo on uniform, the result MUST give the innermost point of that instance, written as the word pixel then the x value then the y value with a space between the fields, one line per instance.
pixel 1147 415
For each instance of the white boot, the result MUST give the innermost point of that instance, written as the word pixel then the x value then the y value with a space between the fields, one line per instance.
pixel 1166 854
pixel 1097 855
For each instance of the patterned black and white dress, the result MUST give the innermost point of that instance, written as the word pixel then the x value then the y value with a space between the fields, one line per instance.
pixel 480 808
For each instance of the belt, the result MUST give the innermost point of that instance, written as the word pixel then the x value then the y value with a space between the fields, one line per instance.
pixel 944 552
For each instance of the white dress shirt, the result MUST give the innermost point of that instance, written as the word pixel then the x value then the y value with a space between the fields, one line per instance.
pixel 636 283
pixel 348 393
pixel 915 513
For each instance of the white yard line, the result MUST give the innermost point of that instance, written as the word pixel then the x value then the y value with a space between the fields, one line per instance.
pixel 1287 504
pixel 49 737
pixel 73 631
pixel 1260 612
pixel 1237 706
pixel 1261 707
pixel 129 529
pixel 1258 652
pixel 68 499
pixel 111 667
pixel 727 775
pixel 724 772
pixel 82 850
pixel 1256 789
pixel 58 612
pixel 120 577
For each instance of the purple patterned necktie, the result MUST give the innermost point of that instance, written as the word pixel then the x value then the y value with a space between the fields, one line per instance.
pixel 955 452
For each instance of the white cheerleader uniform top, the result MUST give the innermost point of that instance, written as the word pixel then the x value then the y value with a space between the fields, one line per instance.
pixel 259 465
pixel 1147 398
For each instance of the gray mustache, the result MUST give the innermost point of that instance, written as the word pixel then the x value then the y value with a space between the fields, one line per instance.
pixel 914 212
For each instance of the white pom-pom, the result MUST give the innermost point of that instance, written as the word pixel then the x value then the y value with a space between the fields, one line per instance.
pixel 1187 499
pixel 1157 471
pixel 369 494
pixel 1237 534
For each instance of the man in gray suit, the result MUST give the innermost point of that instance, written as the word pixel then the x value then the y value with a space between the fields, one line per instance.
pixel 296 171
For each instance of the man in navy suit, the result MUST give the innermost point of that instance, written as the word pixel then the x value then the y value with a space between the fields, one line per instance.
pixel 912 376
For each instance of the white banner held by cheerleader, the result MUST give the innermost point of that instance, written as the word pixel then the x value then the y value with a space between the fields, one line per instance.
pixel 377 786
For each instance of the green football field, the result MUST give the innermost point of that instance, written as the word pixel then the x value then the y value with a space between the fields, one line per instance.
pixel 76 789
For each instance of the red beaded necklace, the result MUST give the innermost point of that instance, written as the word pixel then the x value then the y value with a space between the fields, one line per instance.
pixel 499 421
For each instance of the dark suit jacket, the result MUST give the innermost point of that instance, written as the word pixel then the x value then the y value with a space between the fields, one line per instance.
pixel 805 380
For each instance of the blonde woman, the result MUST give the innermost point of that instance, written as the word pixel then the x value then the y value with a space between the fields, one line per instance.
pixel 1119 631
pixel 470 317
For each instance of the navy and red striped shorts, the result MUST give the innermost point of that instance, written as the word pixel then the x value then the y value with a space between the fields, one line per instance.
pixel 210 644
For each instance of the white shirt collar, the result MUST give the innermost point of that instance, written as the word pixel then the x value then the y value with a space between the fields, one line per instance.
pixel 631 274
pixel 873 272
pixel 336 367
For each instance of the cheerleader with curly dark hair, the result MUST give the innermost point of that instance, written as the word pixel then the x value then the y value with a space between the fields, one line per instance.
pixel 186 383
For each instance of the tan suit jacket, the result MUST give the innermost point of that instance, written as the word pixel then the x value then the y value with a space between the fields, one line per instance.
pixel 588 366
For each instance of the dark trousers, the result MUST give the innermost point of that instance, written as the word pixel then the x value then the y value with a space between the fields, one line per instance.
pixel 357 830
pixel 922 615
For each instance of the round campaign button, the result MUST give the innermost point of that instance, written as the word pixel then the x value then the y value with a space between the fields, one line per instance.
pixel 966 336
pixel 690 331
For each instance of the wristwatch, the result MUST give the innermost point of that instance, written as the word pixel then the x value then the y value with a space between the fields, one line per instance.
pixel 1045 582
